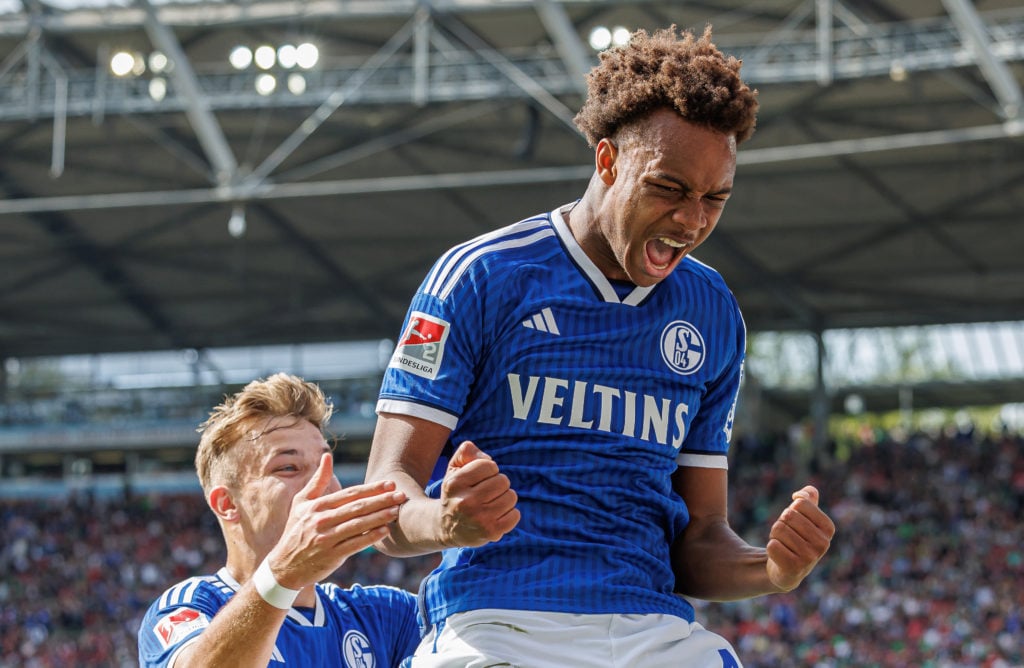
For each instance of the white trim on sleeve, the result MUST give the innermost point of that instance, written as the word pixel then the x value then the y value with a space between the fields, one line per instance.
pixel 702 461
pixel 414 409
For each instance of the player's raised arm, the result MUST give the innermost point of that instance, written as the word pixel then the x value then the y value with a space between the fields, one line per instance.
pixel 712 562
pixel 476 504
pixel 798 539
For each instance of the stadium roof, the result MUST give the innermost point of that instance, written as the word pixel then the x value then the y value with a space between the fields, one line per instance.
pixel 885 184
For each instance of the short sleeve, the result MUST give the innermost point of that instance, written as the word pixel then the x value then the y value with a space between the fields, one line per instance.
pixel 174 620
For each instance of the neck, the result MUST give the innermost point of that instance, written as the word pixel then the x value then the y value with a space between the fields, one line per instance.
pixel 583 220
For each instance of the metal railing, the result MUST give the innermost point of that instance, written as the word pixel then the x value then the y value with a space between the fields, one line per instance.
pixel 465 75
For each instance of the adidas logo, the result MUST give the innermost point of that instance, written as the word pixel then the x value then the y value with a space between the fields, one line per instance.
pixel 543 321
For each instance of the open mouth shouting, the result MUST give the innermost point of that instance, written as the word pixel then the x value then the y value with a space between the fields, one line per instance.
pixel 663 252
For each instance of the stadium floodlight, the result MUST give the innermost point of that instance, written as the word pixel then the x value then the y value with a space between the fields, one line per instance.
pixel 287 56
pixel 620 36
pixel 138 64
pixel 240 57
pixel 265 56
pixel 853 404
pixel 265 84
pixel 122 63
pixel 897 72
pixel 307 55
pixel 158 62
pixel 158 88
pixel 296 83
pixel 236 223
pixel 600 38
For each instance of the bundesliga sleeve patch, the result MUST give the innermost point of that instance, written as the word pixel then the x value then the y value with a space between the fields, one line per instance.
pixel 421 347
pixel 176 626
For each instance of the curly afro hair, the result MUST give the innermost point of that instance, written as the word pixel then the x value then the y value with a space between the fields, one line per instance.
pixel 684 73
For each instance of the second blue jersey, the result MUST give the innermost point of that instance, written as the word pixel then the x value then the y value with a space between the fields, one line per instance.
pixel 588 395
pixel 357 627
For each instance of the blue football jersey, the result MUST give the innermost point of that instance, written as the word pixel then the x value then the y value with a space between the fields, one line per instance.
pixel 588 394
pixel 357 627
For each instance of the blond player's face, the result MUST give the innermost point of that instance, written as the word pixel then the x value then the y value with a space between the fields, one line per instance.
pixel 279 465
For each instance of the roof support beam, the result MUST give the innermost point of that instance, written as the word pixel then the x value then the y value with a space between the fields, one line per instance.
pixel 173 146
pixel 405 134
pixel 527 83
pixel 335 100
pixel 786 29
pixel 293 190
pixel 208 131
pixel 483 179
pixel 570 47
pixel 60 119
pixel 421 58
pixel 824 33
pixel 789 54
pixel 975 38
pixel 208 14
pixel 906 141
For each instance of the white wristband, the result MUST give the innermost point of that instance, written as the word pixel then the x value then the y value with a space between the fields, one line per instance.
pixel 270 590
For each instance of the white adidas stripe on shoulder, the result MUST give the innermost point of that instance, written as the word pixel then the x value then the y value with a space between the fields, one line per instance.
pixel 450 267
pixel 449 285
pixel 183 592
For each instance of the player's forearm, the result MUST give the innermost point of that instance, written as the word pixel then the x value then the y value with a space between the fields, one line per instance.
pixel 405 450
pixel 242 633
pixel 418 528
pixel 712 563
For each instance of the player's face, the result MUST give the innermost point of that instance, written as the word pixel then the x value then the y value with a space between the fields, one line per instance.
pixel 667 185
pixel 279 465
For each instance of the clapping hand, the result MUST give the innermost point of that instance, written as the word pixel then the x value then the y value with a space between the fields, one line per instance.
pixel 328 524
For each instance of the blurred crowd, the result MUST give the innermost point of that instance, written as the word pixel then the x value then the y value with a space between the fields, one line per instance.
pixel 927 566
pixel 926 570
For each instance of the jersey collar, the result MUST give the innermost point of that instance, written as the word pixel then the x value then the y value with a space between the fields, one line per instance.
pixel 601 284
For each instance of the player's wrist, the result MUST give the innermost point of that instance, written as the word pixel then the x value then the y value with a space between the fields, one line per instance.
pixel 272 591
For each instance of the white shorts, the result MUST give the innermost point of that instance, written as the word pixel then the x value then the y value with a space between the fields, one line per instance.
pixel 531 639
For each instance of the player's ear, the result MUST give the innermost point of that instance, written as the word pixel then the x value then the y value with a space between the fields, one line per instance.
pixel 605 157
pixel 222 504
